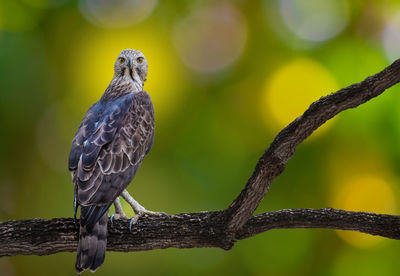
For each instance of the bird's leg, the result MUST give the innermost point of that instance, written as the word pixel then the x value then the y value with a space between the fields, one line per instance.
pixel 119 212
pixel 138 209
pixel 118 208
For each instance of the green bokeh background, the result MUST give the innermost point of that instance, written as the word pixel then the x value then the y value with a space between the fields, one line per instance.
pixel 211 129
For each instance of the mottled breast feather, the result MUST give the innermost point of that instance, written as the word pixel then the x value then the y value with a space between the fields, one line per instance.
pixel 108 148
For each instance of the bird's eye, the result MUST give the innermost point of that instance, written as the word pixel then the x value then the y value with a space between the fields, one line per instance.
pixel 121 60
pixel 139 59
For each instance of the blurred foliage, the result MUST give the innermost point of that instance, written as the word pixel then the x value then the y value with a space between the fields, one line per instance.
pixel 224 77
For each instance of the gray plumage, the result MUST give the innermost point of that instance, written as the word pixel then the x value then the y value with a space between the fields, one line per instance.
pixel 107 151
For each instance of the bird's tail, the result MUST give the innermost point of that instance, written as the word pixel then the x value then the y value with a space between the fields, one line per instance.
pixel 92 243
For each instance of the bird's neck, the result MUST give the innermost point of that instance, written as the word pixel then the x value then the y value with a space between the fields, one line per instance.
pixel 120 86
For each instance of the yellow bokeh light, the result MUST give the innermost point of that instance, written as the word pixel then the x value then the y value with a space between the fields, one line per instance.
pixel 92 65
pixel 368 193
pixel 362 180
pixel 291 90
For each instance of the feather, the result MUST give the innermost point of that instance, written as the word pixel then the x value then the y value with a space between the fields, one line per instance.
pixel 106 162
pixel 91 182
pixel 106 153
pixel 92 244
pixel 117 163
pixel 125 162
pixel 83 175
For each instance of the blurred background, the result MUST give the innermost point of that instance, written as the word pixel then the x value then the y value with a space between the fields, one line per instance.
pixel 225 77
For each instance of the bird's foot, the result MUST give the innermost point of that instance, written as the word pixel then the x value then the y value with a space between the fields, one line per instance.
pixel 119 212
pixel 139 210
pixel 143 212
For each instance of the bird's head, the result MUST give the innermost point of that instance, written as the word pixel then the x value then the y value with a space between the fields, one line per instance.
pixel 131 64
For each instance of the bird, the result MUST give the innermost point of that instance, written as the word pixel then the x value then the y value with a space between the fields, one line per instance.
pixel 107 150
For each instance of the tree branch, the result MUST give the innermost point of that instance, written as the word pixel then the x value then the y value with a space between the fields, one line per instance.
pixel 43 237
pixel 222 228
pixel 369 223
pixel 273 161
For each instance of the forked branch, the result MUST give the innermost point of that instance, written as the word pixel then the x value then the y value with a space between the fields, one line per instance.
pixel 273 161
pixel 223 228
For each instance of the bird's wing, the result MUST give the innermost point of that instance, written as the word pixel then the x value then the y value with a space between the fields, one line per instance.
pixel 85 130
pixel 109 157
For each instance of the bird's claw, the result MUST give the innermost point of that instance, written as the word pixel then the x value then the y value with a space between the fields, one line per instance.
pixel 115 217
pixel 133 221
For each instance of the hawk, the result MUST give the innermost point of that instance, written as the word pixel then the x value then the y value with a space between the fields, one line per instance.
pixel 106 153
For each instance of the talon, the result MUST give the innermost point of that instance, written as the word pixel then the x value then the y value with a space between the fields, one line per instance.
pixel 130 225
pixel 134 220
pixel 131 222
pixel 111 219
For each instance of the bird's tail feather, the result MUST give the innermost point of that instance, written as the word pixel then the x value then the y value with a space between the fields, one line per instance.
pixel 92 244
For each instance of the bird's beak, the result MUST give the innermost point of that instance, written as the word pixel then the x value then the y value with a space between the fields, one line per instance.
pixel 130 68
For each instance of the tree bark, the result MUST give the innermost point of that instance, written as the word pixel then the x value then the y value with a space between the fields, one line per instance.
pixel 206 229
pixel 273 161
pixel 223 228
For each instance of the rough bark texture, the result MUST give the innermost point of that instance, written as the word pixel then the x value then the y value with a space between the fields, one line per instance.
pixel 207 229
pixel 222 228
pixel 272 162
